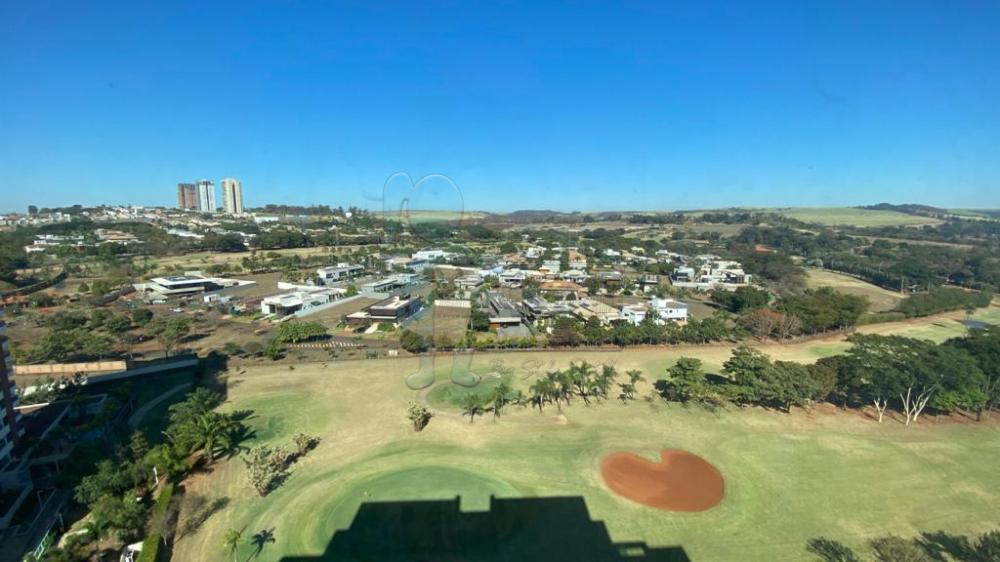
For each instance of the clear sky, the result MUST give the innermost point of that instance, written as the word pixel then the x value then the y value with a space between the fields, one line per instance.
pixel 582 106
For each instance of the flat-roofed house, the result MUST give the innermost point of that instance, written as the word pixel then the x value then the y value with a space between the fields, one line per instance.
pixel 185 285
pixel 393 310
pixel 503 312
pixel 338 272
pixel 589 308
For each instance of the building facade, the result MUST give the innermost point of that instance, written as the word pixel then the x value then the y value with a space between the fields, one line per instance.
pixel 187 196
pixel 10 419
pixel 232 196
pixel 206 196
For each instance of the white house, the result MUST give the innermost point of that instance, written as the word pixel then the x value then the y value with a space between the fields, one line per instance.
pixel 669 309
pixel 431 255
pixel 338 272
pixel 661 310
pixel 300 300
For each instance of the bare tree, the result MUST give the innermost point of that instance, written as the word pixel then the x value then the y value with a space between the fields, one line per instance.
pixel 915 402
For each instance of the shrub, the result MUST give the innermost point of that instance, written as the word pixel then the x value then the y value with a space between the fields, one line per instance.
pixel 304 443
pixel 419 416
pixel 266 468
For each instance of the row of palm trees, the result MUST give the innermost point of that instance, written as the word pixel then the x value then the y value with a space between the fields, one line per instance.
pixel 582 380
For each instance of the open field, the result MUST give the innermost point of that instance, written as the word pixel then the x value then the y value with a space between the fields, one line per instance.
pixel 881 299
pixel 833 216
pixel 418 215
pixel 199 260
pixel 789 477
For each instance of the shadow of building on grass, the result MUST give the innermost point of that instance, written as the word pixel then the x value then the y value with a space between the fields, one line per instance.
pixel 520 529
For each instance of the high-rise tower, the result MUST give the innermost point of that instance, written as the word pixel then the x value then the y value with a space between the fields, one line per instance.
pixel 206 196
pixel 232 196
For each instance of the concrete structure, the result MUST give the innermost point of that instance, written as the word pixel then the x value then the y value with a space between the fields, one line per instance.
pixel 232 196
pixel 206 196
pixel 661 310
pixel 10 426
pixel 512 278
pixel 191 283
pixel 393 310
pixel 558 287
pixel 469 282
pixel 648 283
pixel 589 308
pixel 389 284
pixel 338 272
pixel 537 308
pixel 187 197
pixel 431 255
pixel 712 273
pixel 299 300
pixel 576 259
pixel 670 310
pixel 550 267
pixel 502 312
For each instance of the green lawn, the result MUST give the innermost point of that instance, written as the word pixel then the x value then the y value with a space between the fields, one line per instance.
pixel 789 477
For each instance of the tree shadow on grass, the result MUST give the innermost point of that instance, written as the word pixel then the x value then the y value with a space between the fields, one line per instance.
pixel 831 551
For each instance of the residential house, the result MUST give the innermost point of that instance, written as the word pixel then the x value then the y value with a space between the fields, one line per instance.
pixel 502 311
pixel 392 310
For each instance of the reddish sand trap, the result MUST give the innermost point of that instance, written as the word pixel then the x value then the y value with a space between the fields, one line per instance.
pixel 679 482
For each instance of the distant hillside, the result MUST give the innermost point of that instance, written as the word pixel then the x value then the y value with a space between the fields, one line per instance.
pixel 909 209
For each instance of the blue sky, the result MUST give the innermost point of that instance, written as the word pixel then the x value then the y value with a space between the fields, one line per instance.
pixel 530 105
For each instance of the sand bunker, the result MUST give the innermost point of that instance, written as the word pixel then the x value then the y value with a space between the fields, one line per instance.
pixel 679 482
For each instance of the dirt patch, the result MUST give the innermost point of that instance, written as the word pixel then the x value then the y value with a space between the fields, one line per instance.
pixel 681 481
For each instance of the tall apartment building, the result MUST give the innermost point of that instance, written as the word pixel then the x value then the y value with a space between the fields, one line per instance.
pixel 206 196
pixel 232 196
pixel 10 420
pixel 187 196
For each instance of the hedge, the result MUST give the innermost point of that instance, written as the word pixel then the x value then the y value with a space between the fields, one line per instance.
pixel 152 544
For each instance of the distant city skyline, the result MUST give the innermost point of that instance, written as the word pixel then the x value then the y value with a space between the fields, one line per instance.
pixel 652 105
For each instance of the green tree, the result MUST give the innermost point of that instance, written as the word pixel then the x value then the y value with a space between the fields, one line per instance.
pixel 746 367
pixel 412 341
pixel 169 332
pixel 119 515
pixel 686 382
pixel 142 316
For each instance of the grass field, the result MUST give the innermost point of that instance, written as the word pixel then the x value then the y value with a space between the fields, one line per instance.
pixel 420 215
pixel 789 477
pixel 881 299
pixel 850 216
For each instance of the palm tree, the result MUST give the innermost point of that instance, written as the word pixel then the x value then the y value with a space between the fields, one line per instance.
pixel 232 541
pixel 541 390
pixel 169 458
pixel 580 378
pixel 635 376
pixel 499 398
pixel 213 430
pixel 564 388
pixel 472 406
pixel 628 391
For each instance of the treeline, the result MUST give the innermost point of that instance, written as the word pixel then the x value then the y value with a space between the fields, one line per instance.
pixel 956 230
pixel 894 373
pixel 888 264
pixel 570 332
pixel 943 299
